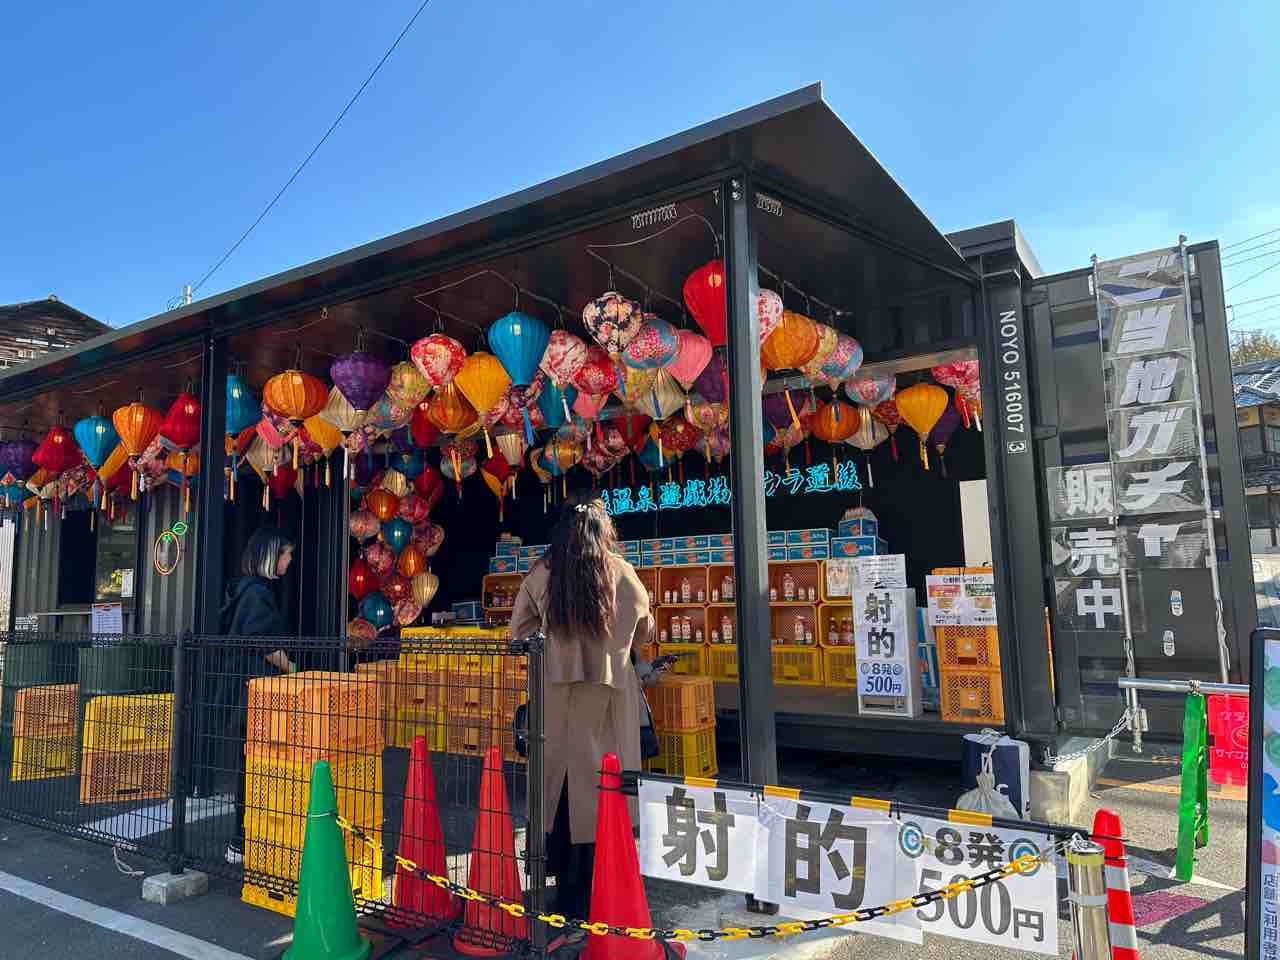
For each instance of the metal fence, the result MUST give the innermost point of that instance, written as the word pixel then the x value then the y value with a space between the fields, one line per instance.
pixel 198 750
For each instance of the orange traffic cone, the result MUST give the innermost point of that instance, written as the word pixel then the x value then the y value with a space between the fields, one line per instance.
pixel 422 841
pixel 617 890
pixel 486 931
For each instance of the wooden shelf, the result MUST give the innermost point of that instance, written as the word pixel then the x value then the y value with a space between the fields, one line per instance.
pixel 679 606
pixel 497 609
pixel 794 603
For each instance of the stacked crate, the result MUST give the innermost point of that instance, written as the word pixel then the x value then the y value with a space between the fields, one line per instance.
pixel 292 722
pixel 125 747
pixel 44 723
pixel 969 674
pixel 684 718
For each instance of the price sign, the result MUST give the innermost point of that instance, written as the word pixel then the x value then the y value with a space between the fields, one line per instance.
pixel 882 641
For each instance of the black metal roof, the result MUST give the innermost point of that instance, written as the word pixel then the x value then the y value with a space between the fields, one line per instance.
pixel 795 140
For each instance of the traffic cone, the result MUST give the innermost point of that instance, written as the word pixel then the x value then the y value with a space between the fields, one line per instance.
pixel 325 924
pixel 422 841
pixel 617 890
pixel 1124 932
pixel 485 929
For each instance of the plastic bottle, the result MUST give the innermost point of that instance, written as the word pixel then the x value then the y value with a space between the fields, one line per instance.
pixel 715 636
pixel 788 587
pixel 702 596
pixel 800 630
pixel 715 596
pixel 686 590
pixel 833 631
pixel 773 594
pixel 726 628
pixel 726 586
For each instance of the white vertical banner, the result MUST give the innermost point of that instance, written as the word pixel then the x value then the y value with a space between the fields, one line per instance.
pixel 1019 912
pixel 821 859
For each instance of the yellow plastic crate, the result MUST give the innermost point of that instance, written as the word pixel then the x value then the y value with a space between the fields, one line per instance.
pixel 40 758
pixel 129 722
pixel 691 754
pixel 265 860
pixel 797 666
pixel 722 661
pixel 277 791
pixel 692 658
pixel 413 723
pixel 840 667
pixel 421 656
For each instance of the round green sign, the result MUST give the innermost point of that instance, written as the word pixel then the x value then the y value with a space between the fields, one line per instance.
pixel 180 528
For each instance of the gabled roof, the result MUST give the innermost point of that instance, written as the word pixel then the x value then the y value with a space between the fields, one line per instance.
pixel 1256 383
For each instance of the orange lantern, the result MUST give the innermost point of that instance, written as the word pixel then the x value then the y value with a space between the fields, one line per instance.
pixel 791 345
pixel 296 395
pixel 483 381
pixel 411 562
pixel 383 503
pixel 834 422
pixel 137 424
pixel 921 406
pixel 325 435
pixel 449 410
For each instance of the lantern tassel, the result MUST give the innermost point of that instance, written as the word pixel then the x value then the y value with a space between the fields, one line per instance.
pixel 977 420
pixel 924 454
pixel 92 517
pixel 564 402
pixel 680 471
pixel 186 495
pixel 326 473
pixel 662 462
pixel 528 426
pixel 942 462
pixel 795 420
pixel 632 460
pixel 488 446
pixel 133 487
pixel 964 410
pixel 871 481
pixel 564 485
pixel 295 451
pixel 893 447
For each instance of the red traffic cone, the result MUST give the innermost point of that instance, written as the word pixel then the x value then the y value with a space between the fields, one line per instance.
pixel 617 890
pixel 422 841
pixel 485 929
pixel 1124 931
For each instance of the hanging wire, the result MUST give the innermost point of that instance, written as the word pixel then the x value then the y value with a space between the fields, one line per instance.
pixel 808 297
pixel 643 285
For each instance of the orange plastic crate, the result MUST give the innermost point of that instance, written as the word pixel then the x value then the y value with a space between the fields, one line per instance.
pixel 46 711
pixel 108 776
pixel 971 696
pixel 310 716
pixel 691 754
pixel 692 658
pixel 840 667
pixel 471 735
pixel 797 665
pixel 385 674
pixel 682 704
pixel 722 661
pixel 973 647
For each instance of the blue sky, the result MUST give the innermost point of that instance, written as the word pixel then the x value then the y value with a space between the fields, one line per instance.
pixel 141 142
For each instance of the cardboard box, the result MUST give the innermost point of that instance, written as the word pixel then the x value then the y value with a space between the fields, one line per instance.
pixel 692 543
pixel 862 527
pixel 777 538
pixel 467 610
pixel 812 551
pixel 504 565
pixel 630 548
pixel 720 540
pixel 661 545
pixel 858 546
pixel 812 535
pixel 777 553
pixel 690 557
pixel 525 564
pixel 652 560
pixel 506 548
pixel 533 550
pixel 720 555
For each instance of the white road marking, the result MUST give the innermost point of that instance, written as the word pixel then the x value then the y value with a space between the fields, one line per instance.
pixel 145 821
pixel 135 927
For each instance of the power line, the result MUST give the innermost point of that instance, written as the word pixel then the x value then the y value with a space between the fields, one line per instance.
pixel 1251 249
pixel 1245 303
pixel 1269 253
pixel 333 126
pixel 1253 277
pixel 1264 233
pixel 1253 313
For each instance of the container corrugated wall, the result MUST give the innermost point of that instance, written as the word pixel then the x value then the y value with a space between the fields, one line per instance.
pixel 166 604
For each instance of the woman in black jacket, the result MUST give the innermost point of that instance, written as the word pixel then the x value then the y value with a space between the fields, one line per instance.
pixel 249 610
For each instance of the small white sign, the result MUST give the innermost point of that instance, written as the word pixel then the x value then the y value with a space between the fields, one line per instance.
pixel 27 624
pixel 887 570
pixel 840 576
pixel 126 583
pixel 106 618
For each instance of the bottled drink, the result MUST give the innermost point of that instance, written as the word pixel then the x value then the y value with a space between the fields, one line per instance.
pixel 686 590
pixel 773 594
pixel 726 587
pixel 702 596
pixel 697 635
pixel 846 631
pixel 726 628
pixel 788 587
pixel 800 630
pixel 715 636
pixel 666 596
pixel 662 635
pixel 833 631
pixel 715 596
pixel 813 594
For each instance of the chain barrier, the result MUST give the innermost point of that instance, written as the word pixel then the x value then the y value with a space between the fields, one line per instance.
pixel 1121 725
pixel 1020 865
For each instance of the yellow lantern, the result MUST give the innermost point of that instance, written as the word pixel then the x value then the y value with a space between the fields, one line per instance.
pixel 921 406
pixel 325 435
pixel 407 387
pixel 449 410
pixel 792 344
pixel 425 586
pixel 483 381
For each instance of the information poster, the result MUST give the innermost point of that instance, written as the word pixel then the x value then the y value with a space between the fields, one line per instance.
pixel 979 599
pixel 888 570
pixel 884 643
pixel 961 600
pixel 106 618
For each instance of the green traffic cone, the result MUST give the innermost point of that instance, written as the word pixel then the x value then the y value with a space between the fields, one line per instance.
pixel 324 927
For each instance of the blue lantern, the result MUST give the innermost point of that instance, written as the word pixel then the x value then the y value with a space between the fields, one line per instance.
pixel 653 347
pixel 410 463
pixel 243 409
pixel 518 341
pixel 12 495
pixel 97 438
pixel 397 533
pixel 376 610
pixel 650 456
pixel 552 402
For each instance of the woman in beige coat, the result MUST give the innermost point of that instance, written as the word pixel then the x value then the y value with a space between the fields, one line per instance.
pixel 594 610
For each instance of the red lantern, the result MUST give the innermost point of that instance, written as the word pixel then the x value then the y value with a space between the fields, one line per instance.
pixel 424 432
pixel 429 485
pixel 704 295
pixel 397 587
pixel 361 580
pixel 383 503
pixel 58 451
pixel 181 427
pixel 279 483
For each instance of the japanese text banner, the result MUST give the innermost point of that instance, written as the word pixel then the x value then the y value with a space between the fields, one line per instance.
pixel 701 835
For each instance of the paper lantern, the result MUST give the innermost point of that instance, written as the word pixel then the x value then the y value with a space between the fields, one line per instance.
pixel 868 391
pixel 281 481
pixel 497 412
pixel 379 557
pixel 835 421
pixel 421 428
pixel 408 464
pixel 613 321
pixel 921 406
pixel 713 383
pixel 438 358
pixel 181 424
pixel 407 611
pixel 396 533
pixel 718 443
pixel 376 610
pixel 512 447
pixel 322 433
pixel 97 438
pixel 15 459
pixel 663 400
pixel 482 381
pixel 677 435
pixel 496 473
pixel 574 430
pixel 634 384
pixel 869 435
pixel 361 581
pixel 387 415
pixel 886 411
pixel 295 395
pixel 784 408
pixel 518 340
pixel 137 424
pixel 340 414
pixel 554 403
pixel 828 337
pixel 559 458
pixel 844 361
pixel 704 295
pixel 407 386
pixel 634 428
pixel 413 509
pixel 363 524
pixel 563 357
pixel 429 485
pixel 792 344
pixel 58 451
pixel 395 482
pixel 654 345
pixel 361 632
pixel 596 461
pixel 706 416
pixel 383 504
pixel 598 374
pixel 768 312
pixel 242 413
pixel 395 587
pixel 944 430
pixel 459 470
pixel 361 378
pixel 693 353
pixel 964 377
pixel 430 539
pixel 588 406
pixel 425 586
pixel 449 410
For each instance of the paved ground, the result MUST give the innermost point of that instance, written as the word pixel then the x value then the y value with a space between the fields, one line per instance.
pixel 40 871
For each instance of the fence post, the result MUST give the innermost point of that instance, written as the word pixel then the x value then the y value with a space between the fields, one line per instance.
pixel 535 838
pixel 177 741
pixel 1087 886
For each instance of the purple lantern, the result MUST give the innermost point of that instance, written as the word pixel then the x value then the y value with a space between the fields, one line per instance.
pixel 712 383
pixel 943 431
pixel 15 458
pixel 361 377
pixel 778 407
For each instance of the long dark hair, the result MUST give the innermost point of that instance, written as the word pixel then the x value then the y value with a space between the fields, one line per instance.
pixel 582 579
pixel 261 555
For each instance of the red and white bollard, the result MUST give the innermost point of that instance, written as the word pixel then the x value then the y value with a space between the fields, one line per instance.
pixel 1124 932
